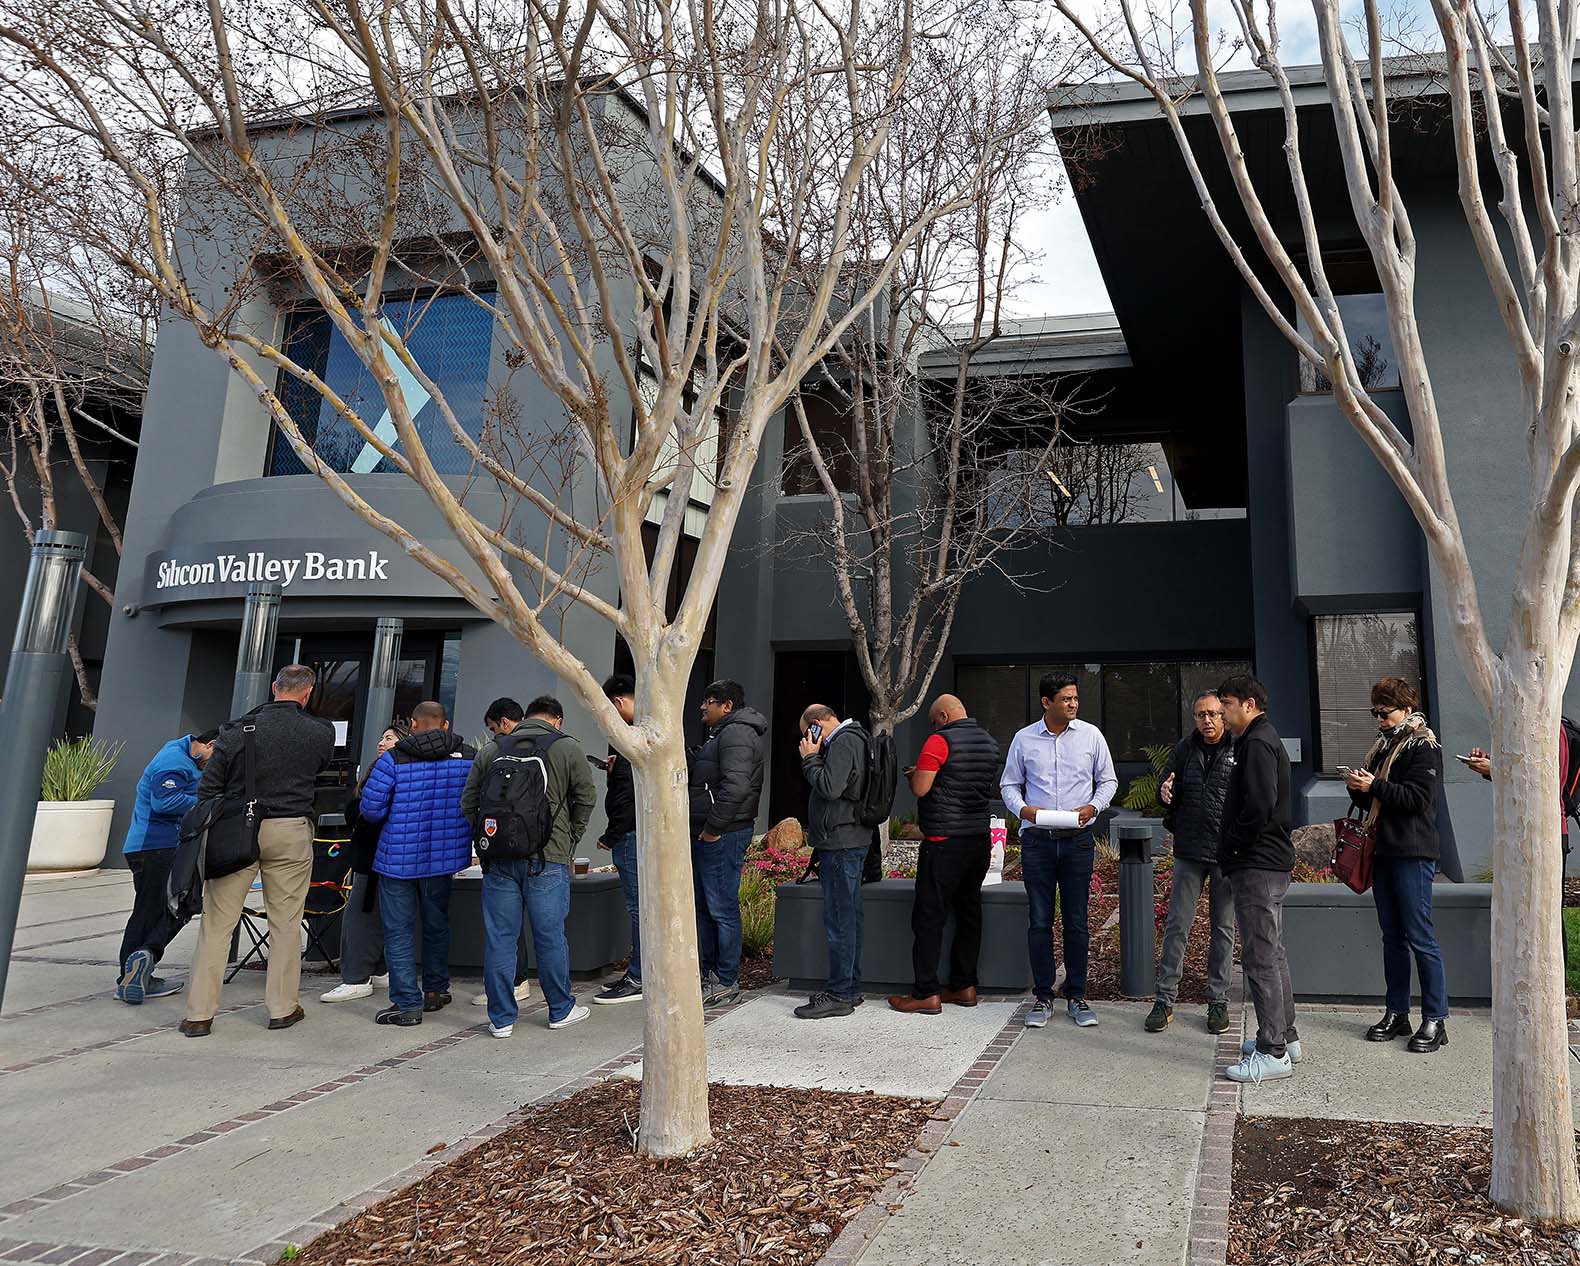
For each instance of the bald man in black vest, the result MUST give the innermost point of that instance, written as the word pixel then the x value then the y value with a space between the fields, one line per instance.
pixel 955 780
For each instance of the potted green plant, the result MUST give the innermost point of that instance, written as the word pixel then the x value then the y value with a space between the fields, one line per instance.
pixel 72 830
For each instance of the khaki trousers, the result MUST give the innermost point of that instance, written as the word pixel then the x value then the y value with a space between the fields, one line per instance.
pixel 285 859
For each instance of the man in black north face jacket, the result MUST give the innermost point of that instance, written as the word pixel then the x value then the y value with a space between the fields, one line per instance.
pixel 726 777
pixel 1195 782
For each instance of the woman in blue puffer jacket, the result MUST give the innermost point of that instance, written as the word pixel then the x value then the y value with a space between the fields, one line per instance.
pixel 415 791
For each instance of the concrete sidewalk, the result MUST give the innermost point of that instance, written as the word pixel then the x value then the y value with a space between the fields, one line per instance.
pixel 127 1137
pixel 1343 1076
pixel 1080 1148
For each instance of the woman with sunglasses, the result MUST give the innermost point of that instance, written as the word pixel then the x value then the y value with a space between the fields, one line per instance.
pixel 1398 792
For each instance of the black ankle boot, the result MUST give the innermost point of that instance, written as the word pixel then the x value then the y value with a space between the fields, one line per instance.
pixel 1431 1035
pixel 1393 1024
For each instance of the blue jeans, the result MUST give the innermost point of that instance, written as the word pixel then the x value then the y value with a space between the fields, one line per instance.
pixel 839 871
pixel 508 888
pixel 401 903
pixel 623 853
pixel 1057 865
pixel 1402 888
pixel 716 875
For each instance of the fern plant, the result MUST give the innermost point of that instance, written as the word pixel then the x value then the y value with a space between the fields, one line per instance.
pixel 1142 794
pixel 75 768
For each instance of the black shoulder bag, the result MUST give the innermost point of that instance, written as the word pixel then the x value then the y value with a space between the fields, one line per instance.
pixel 232 842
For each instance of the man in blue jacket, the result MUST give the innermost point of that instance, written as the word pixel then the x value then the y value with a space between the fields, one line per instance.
pixel 415 791
pixel 167 789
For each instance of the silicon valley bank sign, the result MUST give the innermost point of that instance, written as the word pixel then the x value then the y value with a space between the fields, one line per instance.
pixel 316 568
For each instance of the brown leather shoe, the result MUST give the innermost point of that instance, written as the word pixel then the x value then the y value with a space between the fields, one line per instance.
pixel 196 1028
pixel 966 997
pixel 916 1006
pixel 285 1021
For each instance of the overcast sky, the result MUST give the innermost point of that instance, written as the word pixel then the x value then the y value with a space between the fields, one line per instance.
pixel 1065 278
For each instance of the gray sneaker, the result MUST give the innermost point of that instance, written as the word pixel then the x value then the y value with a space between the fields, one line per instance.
pixel 1037 1017
pixel 717 994
pixel 1248 1047
pixel 1082 1014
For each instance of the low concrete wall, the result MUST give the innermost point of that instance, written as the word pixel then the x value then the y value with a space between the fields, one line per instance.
pixel 597 926
pixel 801 948
pixel 1335 947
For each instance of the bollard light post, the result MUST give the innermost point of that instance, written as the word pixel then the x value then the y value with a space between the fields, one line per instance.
pixel 260 625
pixel 1138 933
pixel 380 708
pixel 33 683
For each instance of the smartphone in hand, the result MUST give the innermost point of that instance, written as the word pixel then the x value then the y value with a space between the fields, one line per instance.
pixel 815 732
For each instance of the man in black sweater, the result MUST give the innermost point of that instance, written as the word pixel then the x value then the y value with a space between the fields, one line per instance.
pixel 954 779
pixel 1257 857
pixel 619 837
pixel 834 763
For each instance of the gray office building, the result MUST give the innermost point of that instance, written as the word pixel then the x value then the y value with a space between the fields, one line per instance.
pixel 1216 513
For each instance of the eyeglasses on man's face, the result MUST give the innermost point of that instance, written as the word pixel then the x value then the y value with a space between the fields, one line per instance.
pixel 1380 713
pixel 1207 715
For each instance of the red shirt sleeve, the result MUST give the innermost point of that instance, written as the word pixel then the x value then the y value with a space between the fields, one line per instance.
pixel 934 753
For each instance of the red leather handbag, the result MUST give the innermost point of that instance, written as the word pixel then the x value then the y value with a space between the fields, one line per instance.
pixel 1354 850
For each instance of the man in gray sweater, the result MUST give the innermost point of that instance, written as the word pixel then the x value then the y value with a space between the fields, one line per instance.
pixel 834 763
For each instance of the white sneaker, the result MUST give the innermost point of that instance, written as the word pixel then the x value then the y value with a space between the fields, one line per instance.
pixel 381 982
pixel 348 993
pixel 1248 1047
pixel 523 992
pixel 503 1030
pixel 1258 1067
pixel 575 1016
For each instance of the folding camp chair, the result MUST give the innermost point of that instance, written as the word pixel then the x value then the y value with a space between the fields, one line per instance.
pixel 326 898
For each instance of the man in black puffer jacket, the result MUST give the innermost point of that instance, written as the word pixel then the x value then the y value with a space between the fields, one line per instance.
pixel 726 777
pixel 955 779
pixel 1194 783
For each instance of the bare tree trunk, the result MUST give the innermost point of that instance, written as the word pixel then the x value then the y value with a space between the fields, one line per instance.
pixel 1533 1139
pixel 89 700
pixel 675 1096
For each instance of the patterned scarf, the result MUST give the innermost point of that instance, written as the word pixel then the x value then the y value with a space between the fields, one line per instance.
pixel 1412 730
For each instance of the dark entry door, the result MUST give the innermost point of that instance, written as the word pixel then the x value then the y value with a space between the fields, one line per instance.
pixel 802 678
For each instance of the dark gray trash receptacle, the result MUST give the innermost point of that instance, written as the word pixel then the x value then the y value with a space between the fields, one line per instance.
pixel 1138 935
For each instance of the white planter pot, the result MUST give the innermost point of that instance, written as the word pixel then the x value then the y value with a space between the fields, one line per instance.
pixel 70 834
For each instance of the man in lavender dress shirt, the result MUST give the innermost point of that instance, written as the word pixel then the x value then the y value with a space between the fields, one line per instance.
pixel 1058 763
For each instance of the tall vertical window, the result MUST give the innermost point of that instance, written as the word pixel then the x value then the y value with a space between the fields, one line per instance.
pixel 832 425
pixel 1351 653
pixel 449 336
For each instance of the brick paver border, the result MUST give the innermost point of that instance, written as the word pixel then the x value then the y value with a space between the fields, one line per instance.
pixel 860 1231
pixel 1208 1242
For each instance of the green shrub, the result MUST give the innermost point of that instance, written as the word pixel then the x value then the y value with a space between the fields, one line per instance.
pixel 757 912
pixel 1142 794
pixel 75 768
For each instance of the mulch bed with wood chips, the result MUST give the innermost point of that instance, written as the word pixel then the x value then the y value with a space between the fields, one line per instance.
pixel 1367 1192
pixel 788 1169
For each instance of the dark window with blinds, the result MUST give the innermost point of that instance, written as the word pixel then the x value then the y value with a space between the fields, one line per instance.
pixel 1352 652
pixel 1136 705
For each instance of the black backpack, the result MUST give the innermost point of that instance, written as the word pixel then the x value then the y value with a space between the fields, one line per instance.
pixel 1569 758
pixel 514 816
pixel 883 777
